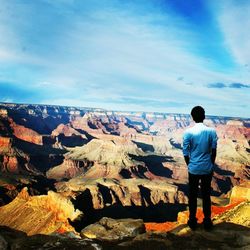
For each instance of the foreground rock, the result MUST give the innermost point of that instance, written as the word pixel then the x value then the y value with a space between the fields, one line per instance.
pixel 13 239
pixel 231 231
pixel 224 236
pixel 108 229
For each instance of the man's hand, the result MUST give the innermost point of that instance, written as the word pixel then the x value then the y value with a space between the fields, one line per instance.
pixel 186 159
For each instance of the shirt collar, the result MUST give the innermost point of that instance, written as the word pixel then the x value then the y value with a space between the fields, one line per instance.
pixel 199 124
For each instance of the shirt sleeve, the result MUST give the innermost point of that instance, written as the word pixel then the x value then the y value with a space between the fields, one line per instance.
pixel 186 144
pixel 214 139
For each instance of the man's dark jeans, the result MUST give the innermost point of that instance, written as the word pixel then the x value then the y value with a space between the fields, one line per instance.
pixel 205 183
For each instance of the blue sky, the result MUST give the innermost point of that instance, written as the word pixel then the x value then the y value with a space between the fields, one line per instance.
pixel 144 55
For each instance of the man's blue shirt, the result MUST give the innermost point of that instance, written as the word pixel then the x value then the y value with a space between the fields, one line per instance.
pixel 198 142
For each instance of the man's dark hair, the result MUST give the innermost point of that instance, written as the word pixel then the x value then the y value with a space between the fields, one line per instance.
pixel 198 114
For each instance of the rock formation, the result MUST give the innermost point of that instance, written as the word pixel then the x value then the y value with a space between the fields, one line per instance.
pixel 68 169
pixel 26 134
pixel 39 214
pixel 240 193
pixel 108 229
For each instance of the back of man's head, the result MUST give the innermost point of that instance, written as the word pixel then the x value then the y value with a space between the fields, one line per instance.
pixel 198 114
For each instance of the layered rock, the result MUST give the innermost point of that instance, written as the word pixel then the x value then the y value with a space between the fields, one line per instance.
pixel 66 130
pixel 240 193
pixel 127 192
pixel 43 214
pixel 68 169
pixel 84 123
pixel 170 124
pixel 107 152
pixel 65 135
pixel 26 134
pixel 239 215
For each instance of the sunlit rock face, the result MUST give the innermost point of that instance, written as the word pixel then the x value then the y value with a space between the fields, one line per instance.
pixel 108 229
pixel 26 134
pixel 5 143
pixel 240 193
pixel 127 192
pixel 43 214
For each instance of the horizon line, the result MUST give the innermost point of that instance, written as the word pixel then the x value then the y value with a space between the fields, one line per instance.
pixel 135 111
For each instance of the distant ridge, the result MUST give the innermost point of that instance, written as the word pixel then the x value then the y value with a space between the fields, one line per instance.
pixel 140 113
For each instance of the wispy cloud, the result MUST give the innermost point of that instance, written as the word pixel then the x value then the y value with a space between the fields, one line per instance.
pixel 233 18
pixel 234 85
pixel 217 85
pixel 237 85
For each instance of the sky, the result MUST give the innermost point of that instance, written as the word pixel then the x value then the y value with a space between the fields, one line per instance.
pixel 133 55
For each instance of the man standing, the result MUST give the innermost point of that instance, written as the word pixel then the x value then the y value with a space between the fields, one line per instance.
pixel 199 150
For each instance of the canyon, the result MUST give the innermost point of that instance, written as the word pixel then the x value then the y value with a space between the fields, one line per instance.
pixel 107 164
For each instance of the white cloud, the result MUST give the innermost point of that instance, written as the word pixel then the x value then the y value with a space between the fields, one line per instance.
pixel 7 99
pixel 234 20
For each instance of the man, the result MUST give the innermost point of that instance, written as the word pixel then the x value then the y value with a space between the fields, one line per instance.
pixel 199 150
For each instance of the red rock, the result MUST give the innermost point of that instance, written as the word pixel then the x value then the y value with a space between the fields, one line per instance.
pixel 66 130
pixel 9 187
pixel 160 227
pixel 183 216
pixel 68 169
pixel 10 164
pixel 26 134
pixel 5 142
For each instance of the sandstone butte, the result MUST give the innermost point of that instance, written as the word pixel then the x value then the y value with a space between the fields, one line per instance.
pixel 43 214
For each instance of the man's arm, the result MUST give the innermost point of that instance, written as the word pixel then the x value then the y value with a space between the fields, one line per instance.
pixel 186 147
pixel 213 155
pixel 214 146
pixel 186 159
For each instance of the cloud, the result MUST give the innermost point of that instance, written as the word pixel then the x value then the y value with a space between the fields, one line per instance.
pixel 7 99
pixel 233 17
pixel 217 85
pixel 235 85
